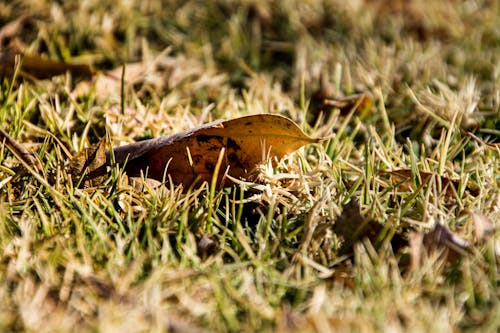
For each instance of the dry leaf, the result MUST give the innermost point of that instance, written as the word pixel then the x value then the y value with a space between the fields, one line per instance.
pixel 441 236
pixel 363 102
pixel 207 245
pixel 190 155
pixel 352 226
pixel 491 146
pixel 438 239
pixel 89 163
pixel 35 66
pixel 403 178
pixel 21 152
pixel 322 101
pixel 193 154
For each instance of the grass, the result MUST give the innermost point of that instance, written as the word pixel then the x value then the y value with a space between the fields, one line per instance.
pixel 326 240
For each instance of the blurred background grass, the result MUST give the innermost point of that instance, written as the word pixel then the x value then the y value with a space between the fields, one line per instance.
pixel 333 48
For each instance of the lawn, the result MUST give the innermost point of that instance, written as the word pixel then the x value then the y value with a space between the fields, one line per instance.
pixel 387 223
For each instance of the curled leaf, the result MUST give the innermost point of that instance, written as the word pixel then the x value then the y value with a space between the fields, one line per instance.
pixel 19 150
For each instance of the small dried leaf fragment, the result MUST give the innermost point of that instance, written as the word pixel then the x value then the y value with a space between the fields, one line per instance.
pixel 207 245
pixel 192 155
pixel 404 180
pixel 19 150
pixel 362 102
pixel 90 162
pixel 404 177
pixel 21 153
pixel 491 146
pixel 352 226
pixel 439 238
pixel 322 101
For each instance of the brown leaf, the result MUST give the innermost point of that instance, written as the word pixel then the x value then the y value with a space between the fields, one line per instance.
pixel 89 163
pixel 362 102
pixel 403 178
pixel 207 245
pixel 440 238
pixel 21 152
pixel 352 226
pixel 35 66
pixel 491 146
pixel 193 154
pixel 322 101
